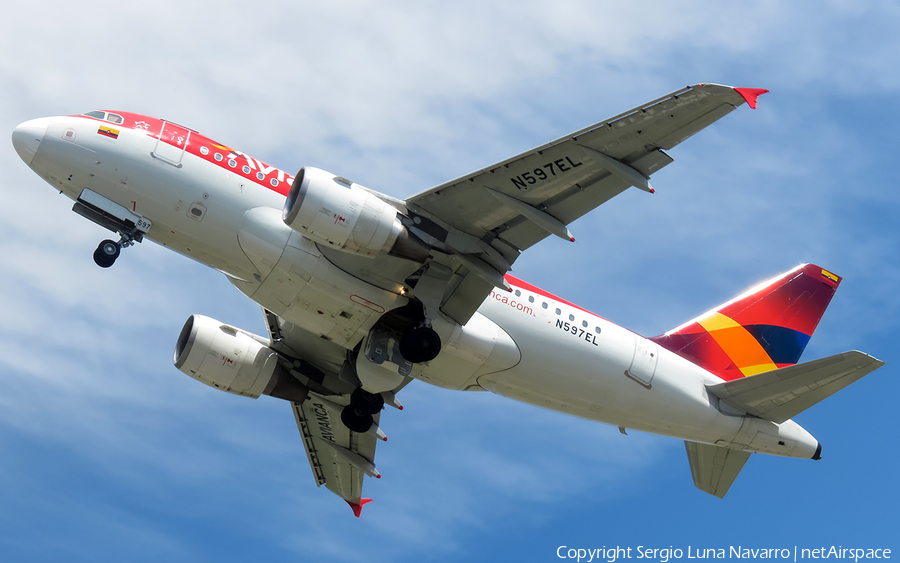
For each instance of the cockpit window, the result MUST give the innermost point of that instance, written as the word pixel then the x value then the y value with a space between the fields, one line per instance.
pixel 111 117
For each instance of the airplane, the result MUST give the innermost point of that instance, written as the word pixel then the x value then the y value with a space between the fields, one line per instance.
pixel 362 293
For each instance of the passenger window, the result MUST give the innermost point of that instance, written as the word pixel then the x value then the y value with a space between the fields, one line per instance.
pixel 544 305
pixel 531 298
pixel 518 293
pixel 584 324
pixel 597 329
pixel 571 317
pixel 558 312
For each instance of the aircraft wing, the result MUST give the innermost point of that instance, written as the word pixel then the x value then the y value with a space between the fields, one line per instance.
pixel 487 218
pixel 338 457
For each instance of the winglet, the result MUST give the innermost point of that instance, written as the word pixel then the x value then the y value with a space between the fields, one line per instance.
pixel 751 94
pixel 357 507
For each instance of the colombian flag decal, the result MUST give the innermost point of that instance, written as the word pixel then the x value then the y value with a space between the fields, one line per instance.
pixel 108 132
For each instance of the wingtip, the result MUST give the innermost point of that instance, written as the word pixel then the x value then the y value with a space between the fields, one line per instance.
pixel 751 94
pixel 357 507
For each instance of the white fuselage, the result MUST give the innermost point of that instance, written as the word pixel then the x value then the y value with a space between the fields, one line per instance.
pixel 526 345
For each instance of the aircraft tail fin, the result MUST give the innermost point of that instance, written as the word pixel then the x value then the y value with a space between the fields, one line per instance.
pixel 784 393
pixel 764 329
pixel 714 468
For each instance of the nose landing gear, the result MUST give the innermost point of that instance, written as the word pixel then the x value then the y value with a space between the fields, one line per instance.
pixel 106 254
pixel 108 214
pixel 108 250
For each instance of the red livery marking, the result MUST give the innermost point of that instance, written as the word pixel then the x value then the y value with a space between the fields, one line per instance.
pixel 366 303
pixel 198 145
pixel 357 506
pixel 751 94
pixel 517 305
pixel 516 282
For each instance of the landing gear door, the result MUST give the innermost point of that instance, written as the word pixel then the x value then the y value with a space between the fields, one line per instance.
pixel 380 365
pixel 173 140
pixel 643 365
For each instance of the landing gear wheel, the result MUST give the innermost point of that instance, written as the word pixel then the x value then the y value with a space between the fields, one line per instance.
pixel 369 403
pixel 356 420
pixel 106 254
pixel 421 344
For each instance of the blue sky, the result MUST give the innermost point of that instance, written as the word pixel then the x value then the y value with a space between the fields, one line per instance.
pixel 107 452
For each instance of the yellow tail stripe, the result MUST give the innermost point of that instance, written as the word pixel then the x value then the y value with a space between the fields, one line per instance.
pixel 743 349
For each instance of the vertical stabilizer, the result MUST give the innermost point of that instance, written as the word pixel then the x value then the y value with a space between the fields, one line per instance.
pixel 764 329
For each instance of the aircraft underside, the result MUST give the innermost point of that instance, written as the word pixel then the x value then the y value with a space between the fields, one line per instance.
pixel 364 293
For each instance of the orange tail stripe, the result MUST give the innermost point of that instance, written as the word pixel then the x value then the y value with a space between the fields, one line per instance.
pixel 743 349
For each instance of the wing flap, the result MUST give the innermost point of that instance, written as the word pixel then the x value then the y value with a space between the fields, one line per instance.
pixel 783 393
pixel 714 468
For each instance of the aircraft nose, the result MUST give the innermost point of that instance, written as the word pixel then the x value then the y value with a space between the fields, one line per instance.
pixel 27 138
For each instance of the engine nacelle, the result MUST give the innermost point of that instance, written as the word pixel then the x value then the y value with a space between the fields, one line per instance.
pixel 232 360
pixel 336 212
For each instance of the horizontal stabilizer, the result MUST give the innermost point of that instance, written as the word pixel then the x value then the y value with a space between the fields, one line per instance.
pixel 783 393
pixel 714 468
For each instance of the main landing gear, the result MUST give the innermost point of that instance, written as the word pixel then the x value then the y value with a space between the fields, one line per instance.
pixel 421 344
pixel 358 415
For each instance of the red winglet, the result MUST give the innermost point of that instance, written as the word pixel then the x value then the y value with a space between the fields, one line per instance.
pixel 750 95
pixel 357 508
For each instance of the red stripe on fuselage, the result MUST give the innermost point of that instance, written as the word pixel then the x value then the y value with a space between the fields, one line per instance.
pixel 516 282
pixel 152 127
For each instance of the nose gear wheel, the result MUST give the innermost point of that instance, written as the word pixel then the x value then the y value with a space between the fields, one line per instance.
pixel 106 253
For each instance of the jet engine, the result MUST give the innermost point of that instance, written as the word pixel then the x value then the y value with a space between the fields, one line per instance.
pixel 334 211
pixel 234 361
